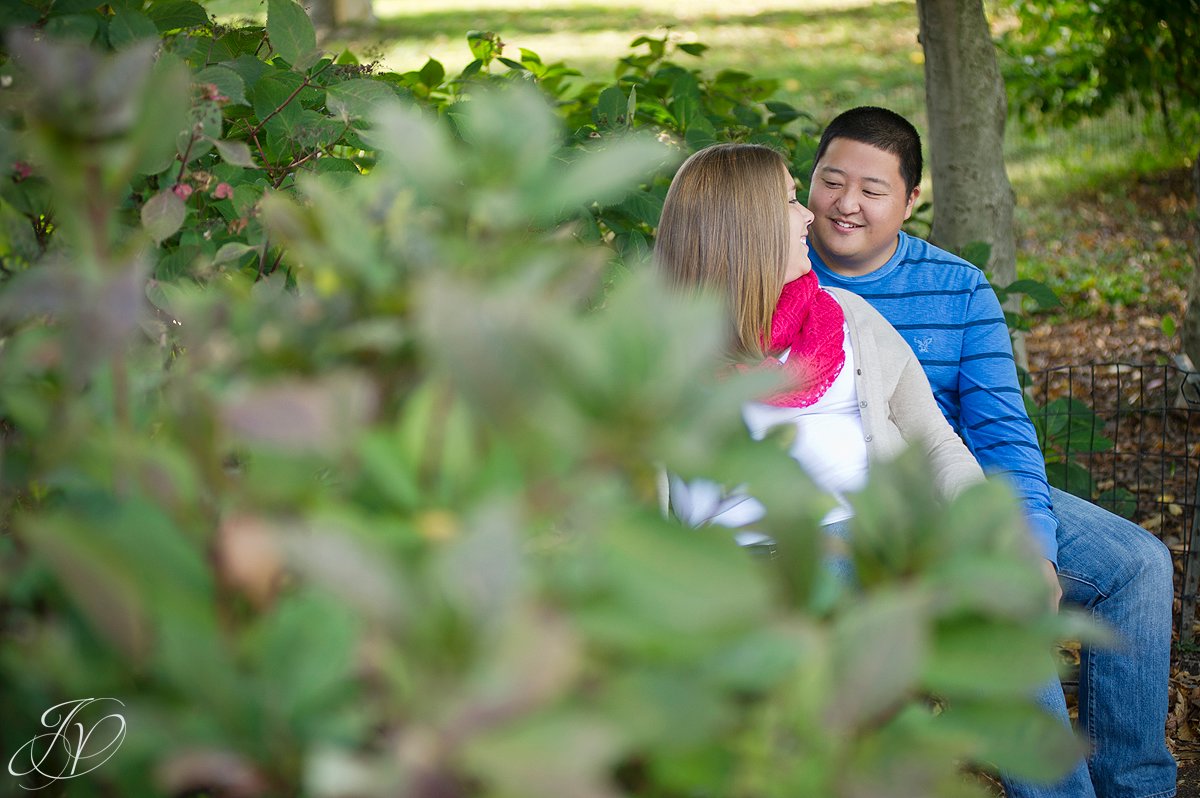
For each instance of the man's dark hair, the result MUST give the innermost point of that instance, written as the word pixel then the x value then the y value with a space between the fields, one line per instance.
pixel 880 128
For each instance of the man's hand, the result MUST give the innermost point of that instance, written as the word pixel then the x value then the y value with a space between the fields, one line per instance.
pixel 1051 574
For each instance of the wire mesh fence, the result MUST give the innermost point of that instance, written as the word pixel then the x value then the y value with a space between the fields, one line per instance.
pixel 1127 437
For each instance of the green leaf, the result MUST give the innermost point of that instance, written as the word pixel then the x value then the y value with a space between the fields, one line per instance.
pixel 250 68
pixel 18 15
pixel 748 117
pixel 307 645
pixel 130 27
pixel 229 83
pixel 80 27
pixel 272 93
pixel 357 99
pixel 998 586
pixel 245 198
pixel 700 133
pixel 335 165
pixel 391 473
pixel 644 207
pixel 1121 501
pixel 95 578
pixel 1086 436
pixel 236 153
pixel 764 657
pixel 163 215
pixel 192 144
pixel 1071 477
pixel 975 658
pixel 684 580
pixel 610 108
pixel 176 14
pixel 693 48
pixel 1017 737
pixel 290 30
pixel 1168 325
pixel 606 175
pixel 232 251
pixel 634 247
pixel 176 264
pixel 484 45
pixel 514 754
pixel 685 105
pixel 977 253
pixel 432 74
pixel 163 113
pixel 733 77
pixel 879 647
pixel 1036 290
pixel 783 113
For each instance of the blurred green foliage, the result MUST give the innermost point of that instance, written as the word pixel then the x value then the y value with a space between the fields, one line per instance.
pixel 1073 59
pixel 329 441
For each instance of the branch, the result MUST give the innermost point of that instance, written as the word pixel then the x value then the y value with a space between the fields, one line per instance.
pixel 183 161
pixel 308 79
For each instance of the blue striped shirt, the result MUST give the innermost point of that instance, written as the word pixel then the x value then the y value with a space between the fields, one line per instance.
pixel 946 310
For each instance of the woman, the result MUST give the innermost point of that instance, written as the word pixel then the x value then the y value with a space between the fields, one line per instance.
pixel 731 225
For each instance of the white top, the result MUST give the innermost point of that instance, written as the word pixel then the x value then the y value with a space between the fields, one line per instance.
pixel 829 445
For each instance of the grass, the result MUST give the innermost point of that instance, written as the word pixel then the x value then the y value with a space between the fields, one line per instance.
pixel 829 55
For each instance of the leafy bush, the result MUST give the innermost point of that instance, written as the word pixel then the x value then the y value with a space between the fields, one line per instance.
pixel 1072 59
pixel 342 479
pixel 266 106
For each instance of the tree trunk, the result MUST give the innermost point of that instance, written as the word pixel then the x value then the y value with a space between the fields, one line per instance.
pixel 964 93
pixel 332 14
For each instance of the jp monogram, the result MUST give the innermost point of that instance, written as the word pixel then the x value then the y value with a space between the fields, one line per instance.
pixel 68 750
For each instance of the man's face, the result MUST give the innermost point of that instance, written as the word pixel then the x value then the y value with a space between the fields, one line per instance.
pixel 859 200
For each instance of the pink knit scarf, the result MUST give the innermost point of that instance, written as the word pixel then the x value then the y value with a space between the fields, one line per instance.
pixel 811 322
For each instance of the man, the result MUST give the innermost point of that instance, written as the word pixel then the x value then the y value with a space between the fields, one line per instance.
pixel 864 185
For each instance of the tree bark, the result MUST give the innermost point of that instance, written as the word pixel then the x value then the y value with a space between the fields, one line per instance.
pixel 964 93
pixel 331 14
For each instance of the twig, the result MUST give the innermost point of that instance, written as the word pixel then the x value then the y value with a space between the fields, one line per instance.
pixel 262 260
pixel 183 161
pixel 287 170
pixel 303 85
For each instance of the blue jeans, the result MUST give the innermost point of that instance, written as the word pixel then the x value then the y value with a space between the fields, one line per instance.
pixel 1121 574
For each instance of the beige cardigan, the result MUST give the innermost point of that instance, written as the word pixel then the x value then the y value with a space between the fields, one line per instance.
pixel 896 401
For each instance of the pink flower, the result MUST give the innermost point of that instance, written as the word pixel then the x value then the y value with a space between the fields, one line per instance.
pixel 21 171
pixel 183 191
pixel 223 191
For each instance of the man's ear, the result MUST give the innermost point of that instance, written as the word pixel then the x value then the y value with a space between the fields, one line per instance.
pixel 912 202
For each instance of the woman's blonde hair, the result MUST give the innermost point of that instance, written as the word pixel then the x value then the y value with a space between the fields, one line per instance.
pixel 724 230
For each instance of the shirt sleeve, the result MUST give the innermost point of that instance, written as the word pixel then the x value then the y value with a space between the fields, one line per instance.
pixel 993 419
